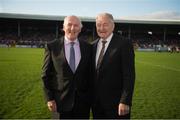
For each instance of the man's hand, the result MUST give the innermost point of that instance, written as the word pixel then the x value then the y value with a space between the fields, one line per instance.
pixel 123 109
pixel 52 106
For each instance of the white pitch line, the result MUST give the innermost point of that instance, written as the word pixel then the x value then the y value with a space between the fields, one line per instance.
pixel 155 65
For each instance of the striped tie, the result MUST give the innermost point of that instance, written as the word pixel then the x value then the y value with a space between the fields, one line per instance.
pixel 101 54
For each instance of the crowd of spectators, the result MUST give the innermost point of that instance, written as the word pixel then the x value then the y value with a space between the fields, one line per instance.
pixel 170 44
pixel 38 39
pixel 31 39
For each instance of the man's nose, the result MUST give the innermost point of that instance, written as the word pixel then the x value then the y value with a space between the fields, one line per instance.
pixel 72 27
pixel 101 27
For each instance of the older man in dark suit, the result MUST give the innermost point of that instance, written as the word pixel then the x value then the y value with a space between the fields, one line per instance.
pixel 114 71
pixel 67 72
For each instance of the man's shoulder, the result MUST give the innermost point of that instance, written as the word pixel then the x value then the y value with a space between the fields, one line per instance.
pixel 121 39
pixel 84 43
pixel 95 41
pixel 116 36
pixel 54 42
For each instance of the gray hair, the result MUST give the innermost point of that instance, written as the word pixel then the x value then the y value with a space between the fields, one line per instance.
pixel 66 18
pixel 108 15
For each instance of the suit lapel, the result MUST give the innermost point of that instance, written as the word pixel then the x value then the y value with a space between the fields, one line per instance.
pixel 83 53
pixel 63 55
pixel 94 52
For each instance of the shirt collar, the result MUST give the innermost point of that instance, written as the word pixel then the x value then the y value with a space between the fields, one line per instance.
pixel 108 39
pixel 67 41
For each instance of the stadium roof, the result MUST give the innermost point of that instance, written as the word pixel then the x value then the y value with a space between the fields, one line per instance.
pixel 88 19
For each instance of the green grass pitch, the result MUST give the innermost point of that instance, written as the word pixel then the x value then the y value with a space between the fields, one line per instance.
pixel 156 95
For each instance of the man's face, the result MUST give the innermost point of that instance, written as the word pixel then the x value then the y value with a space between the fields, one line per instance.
pixel 104 26
pixel 72 27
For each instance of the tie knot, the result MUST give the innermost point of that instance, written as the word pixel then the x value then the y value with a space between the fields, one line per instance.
pixel 104 42
pixel 72 43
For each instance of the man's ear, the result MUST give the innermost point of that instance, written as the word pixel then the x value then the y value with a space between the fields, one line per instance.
pixel 113 26
pixel 63 28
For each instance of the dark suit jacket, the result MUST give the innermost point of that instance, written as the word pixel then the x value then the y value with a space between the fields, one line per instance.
pixel 114 81
pixel 60 83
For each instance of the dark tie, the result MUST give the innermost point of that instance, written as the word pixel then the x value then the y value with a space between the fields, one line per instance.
pixel 72 57
pixel 101 54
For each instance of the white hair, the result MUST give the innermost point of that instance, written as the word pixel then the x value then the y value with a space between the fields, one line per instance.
pixel 66 18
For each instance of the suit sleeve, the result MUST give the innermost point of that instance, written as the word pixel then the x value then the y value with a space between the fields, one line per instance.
pixel 128 72
pixel 47 74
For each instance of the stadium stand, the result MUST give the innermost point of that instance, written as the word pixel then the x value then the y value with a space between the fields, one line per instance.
pixel 35 30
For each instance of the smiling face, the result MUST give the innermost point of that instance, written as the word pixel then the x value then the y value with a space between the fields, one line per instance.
pixel 104 25
pixel 72 27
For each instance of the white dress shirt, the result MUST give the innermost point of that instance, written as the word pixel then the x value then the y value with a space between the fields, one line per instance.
pixel 99 46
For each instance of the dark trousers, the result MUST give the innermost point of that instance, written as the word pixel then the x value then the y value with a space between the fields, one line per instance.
pixel 81 110
pixel 101 113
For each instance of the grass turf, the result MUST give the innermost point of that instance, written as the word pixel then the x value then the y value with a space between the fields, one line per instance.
pixel 156 92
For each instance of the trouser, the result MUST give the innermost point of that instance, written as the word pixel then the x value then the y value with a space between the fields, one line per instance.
pixel 80 110
pixel 99 112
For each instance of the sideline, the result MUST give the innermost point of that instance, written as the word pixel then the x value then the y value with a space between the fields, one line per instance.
pixel 156 65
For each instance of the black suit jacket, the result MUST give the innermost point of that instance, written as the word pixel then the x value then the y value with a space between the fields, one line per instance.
pixel 114 81
pixel 60 83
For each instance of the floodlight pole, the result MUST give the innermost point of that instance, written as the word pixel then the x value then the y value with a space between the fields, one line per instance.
pixel 19 29
pixel 129 32
pixel 164 38
pixel 57 31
